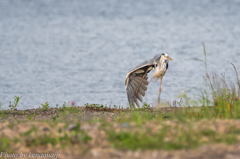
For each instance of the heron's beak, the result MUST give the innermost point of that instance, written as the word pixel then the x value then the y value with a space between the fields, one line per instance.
pixel 169 58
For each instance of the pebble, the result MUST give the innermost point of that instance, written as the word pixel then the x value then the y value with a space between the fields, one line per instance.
pixel 71 127
pixel 45 129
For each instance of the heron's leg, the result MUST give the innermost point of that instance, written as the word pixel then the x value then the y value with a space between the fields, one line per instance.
pixel 160 90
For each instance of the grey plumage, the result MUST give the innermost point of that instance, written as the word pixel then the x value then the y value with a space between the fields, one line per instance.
pixel 136 80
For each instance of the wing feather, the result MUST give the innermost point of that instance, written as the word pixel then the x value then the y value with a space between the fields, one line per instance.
pixel 135 83
pixel 136 101
pixel 144 87
pixel 141 91
pixel 145 82
pixel 139 71
pixel 138 79
pixel 129 93
pixel 139 97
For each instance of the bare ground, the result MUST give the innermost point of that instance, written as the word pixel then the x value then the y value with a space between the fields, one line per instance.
pixel 99 146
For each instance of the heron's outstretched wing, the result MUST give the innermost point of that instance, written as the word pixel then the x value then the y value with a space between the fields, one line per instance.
pixel 136 80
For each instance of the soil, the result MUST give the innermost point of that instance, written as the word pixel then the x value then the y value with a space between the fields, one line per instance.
pixel 80 113
pixel 99 147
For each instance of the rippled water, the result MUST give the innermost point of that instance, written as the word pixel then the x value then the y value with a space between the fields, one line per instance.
pixel 56 50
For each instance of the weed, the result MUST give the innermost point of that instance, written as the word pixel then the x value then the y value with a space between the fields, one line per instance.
pixel 45 106
pixel 11 125
pixel 16 100
pixel 29 117
pixel 167 137
pixel 5 145
pixel 77 136
pixel 54 118
pixel 146 106
pixel 65 105
pixel 2 114
pixel 16 120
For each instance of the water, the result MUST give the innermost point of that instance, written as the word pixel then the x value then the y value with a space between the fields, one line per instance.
pixel 56 50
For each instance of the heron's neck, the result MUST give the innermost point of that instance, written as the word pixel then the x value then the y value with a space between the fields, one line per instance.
pixel 162 62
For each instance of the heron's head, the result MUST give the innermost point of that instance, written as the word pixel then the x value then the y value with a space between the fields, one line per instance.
pixel 165 56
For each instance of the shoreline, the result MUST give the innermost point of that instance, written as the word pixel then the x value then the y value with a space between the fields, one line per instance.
pixel 81 113
pixel 90 132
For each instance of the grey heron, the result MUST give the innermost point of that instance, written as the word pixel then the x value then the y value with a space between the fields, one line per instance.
pixel 136 80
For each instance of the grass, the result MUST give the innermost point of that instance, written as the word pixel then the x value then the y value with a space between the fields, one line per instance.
pixel 76 136
pixel 5 145
pixel 34 137
pixel 168 138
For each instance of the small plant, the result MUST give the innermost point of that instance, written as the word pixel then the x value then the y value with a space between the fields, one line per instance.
pixel 146 106
pixel 5 144
pixel 16 120
pixel 180 103
pixel 73 103
pixel 186 101
pixel 54 118
pixel 2 115
pixel 65 105
pixel 16 100
pixel 2 112
pixel 45 106
pixel 29 117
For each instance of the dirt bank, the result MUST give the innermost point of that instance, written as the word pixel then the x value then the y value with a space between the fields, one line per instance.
pixel 23 131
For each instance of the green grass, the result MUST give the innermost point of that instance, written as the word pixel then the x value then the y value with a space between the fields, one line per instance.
pixel 180 136
pixel 32 138
pixel 5 145
pixel 77 136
